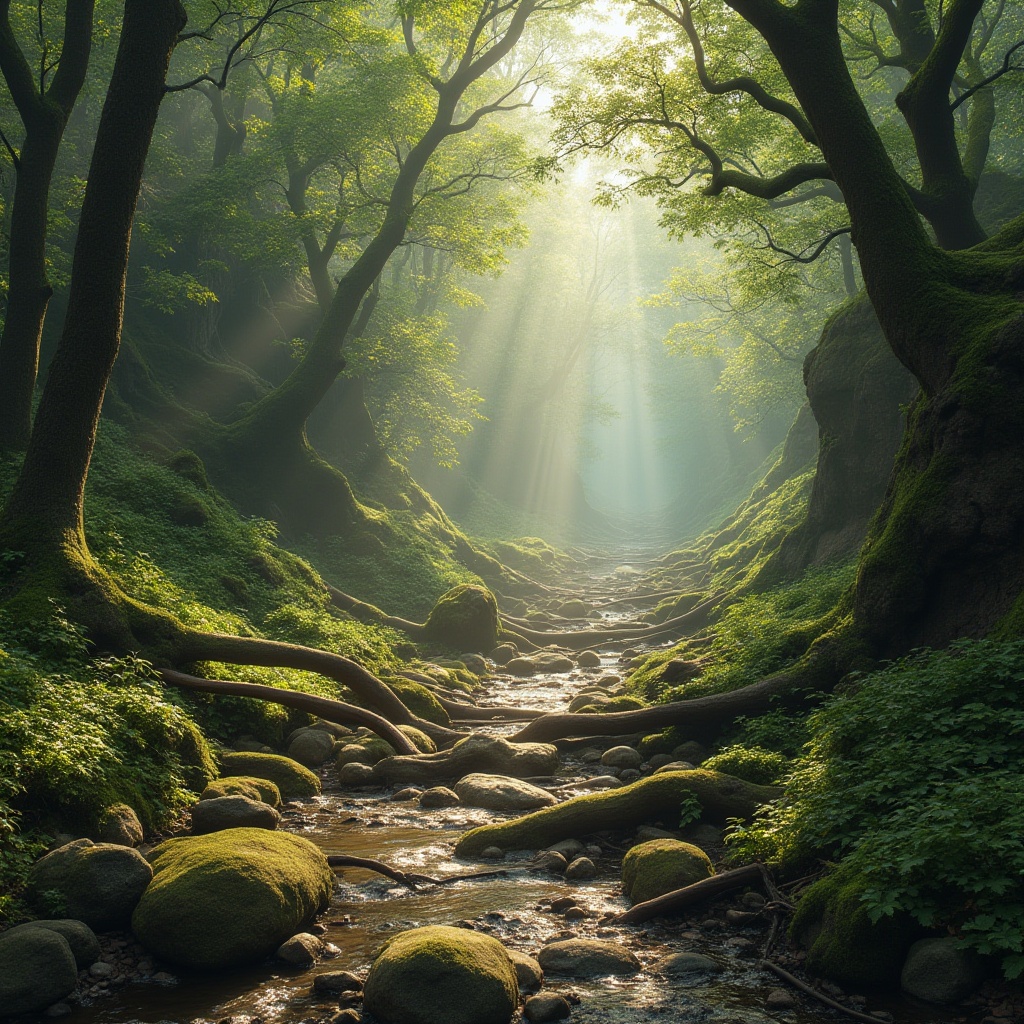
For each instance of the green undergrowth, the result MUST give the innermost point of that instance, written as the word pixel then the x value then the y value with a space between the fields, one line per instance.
pixel 753 637
pixel 530 555
pixel 912 781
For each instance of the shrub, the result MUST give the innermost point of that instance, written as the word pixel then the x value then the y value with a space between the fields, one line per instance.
pixel 752 764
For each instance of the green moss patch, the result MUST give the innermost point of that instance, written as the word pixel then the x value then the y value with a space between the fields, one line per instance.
pixel 293 780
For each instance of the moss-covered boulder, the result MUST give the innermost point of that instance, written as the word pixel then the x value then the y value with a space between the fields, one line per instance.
pixel 437 973
pixel 832 923
pixel 466 618
pixel 85 947
pixel 96 883
pixel 37 969
pixel 243 785
pixel 119 824
pixel 660 866
pixel 424 744
pixel 364 750
pixel 293 780
pixel 419 700
pixel 230 898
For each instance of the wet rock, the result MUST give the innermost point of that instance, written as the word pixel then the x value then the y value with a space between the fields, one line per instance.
pixel 85 947
pixel 688 968
pixel 752 900
pixel 600 782
pixel 529 973
pixel 356 774
pixel 501 793
pixel 568 848
pixel 657 761
pixel 230 898
pixel 661 865
pixel 365 750
pixel 563 903
pixel 232 812
pixel 674 766
pixel 628 775
pixel 302 950
pixel 408 793
pixel 707 837
pixel 575 914
pixel 691 751
pixel 645 833
pixel 622 757
pixel 438 797
pixel 503 654
pixel 37 969
pixel 311 747
pixel 588 659
pixel 492 853
pixel 120 825
pixel 477 753
pixel 587 958
pixel 333 983
pixel 243 785
pixel 586 700
pixel 591 755
pixel 546 1006
pixel 294 781
pixel 543 661
pixel 550 860
pixel 781 999
pixel 580 869
pixel 96 883
pixel 427 975
pixel 475 663
pixel 938 971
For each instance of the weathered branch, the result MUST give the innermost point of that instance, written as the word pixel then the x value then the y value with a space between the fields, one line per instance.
pixel 699 892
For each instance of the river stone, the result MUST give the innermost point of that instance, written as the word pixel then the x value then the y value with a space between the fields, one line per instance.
pixel 302 950
pixel 85 947
pixel 586 700
pixel 588 659
pixel 674 766
pixel 580 869
pixel 407 793
pixel 492 853
pixel 230 898
pixel 120 825
pixel 600 782
pixel 474 662
pixel 243 785
pixel 939 971
pixel 568 848
pixel 529 973
pixel 622 757
pixel 660 866
pixel 37 969
pixel 645 833
pixel 690 751
pixel 501 793
pixel 438 797
pixel 591 755
pixel 688 968
pixel 293 780
pixel 311 747
pixel 437 973
pixel 587 958
pixel 549 860
pixel 333 983
pixel 232 812
pixel 479 752
pixel 542 662
pixel 96 883
pixel 657 761
pixel 628 775
pixel 503 654
pixel 464 617
pixel 356 773
pixel 546 1006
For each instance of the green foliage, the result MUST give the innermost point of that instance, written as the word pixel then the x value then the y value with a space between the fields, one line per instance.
pixel 913 777
pixel 752 764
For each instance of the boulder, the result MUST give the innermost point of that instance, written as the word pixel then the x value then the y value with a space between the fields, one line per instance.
pixel 37 969
pixel 242 785
pixel 588 659
pixel 365 750
pixel 940 971
pixel 230 898
pixel 476 753
pixel 432 974
pixel 661 865
pixel 622 757
pixel 311 747
pixel 580 869
pixel 293 780
pixel 529 973
pixel 333 983
pixel 688 968
pixel 501 793
pixel 96 883
pixel 474 662
pixel 543 661
pixel 85 947
pixel 437 798
pixel 356 774
pixel 120 825
pixel 587 958
pixel 466 618
pixel 573 608
pixel 550 860
pixel 503 654
pixel 232 812
pixel 587 700
pixel 546 1006
pixel 302 950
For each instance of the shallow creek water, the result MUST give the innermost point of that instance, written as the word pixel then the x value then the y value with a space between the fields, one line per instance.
pixel 367 908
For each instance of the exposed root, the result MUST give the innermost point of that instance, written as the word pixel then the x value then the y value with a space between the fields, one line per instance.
pixel 476 713
pixel 815 994
pixel 699 892
pixel 330 710
pixel 365 612
pixel 410 879
pixel 651 799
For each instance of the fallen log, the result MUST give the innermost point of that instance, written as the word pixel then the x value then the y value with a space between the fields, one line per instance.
pixel 679 899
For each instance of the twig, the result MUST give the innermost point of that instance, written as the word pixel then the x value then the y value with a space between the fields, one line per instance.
pixel 814 993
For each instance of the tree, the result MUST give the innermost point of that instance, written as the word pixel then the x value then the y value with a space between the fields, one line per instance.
pixel 44 101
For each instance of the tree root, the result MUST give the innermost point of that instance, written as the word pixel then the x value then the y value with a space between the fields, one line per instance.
pixel 654 798
pixel 370 613
pixel 815 994
pixel 410 879
pixel 478 713
pixel 330 710
pixel 679 899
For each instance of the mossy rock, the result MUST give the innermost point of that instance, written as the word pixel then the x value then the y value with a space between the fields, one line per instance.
pixel 466 618
pixel 293 780
pixel 622 703
pixel 753 764
pixel 244 785
pixel 365 750
pixel 663 742
pixel 660 866
pixel 419 700
pixel 424 744
pixel 230 898
pixel 842 942
pixel 437 973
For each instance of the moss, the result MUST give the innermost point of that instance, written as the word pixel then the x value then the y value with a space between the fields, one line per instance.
pixel 466 618
pixel 661 865
pixel 189 466
pixel 419 700
pixel 663 742
pixel 423 742
pixel 842 942
pixel 754 764
pixel 293 780
pixel 622 703
pixel 244 785
pixel 436 973
pixel 365 750
pixel 230 898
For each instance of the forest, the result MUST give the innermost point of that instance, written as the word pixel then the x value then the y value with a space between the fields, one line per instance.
pixel 512 510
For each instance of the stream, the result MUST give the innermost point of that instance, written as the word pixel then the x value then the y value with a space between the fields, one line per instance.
pixel 515 908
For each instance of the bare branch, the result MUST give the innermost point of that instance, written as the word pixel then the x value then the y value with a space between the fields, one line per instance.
pixel 1006 67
